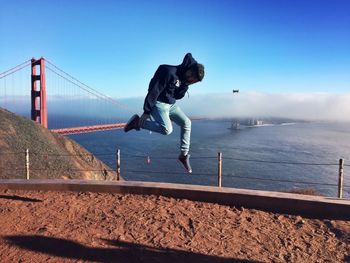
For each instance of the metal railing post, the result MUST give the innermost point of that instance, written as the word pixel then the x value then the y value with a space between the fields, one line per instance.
pixel 118 164
pixel 340 178
pixel 27 164
pixel 219 168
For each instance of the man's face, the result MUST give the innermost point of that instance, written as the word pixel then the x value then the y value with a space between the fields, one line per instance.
pixel 190 78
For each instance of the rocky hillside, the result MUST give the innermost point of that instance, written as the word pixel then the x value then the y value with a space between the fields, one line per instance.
pixel 51 156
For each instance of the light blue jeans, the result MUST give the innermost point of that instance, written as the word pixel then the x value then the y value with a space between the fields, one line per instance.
pixel 162 115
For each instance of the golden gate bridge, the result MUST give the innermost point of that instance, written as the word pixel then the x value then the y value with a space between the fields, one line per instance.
pixel 71 96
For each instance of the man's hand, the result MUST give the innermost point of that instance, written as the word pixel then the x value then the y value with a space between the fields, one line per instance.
pixel 142 119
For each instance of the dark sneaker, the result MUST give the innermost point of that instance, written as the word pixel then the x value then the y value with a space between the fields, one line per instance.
pixel 133 123
pixel 185 160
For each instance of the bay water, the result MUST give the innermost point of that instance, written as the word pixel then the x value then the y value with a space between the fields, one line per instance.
pixel 276 157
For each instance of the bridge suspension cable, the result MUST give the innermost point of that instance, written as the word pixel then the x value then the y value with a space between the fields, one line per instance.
pixel 72 103
pixel 14 89
pixel 85 87
pixel 14 69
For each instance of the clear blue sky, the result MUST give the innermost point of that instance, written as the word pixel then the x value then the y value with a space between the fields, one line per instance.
pixel 252 45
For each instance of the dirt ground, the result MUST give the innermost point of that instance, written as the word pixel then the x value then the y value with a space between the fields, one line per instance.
pixel 101 227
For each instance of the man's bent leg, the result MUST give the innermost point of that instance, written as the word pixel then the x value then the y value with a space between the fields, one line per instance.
pixel 161 122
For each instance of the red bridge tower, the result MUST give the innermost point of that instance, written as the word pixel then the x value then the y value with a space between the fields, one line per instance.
pixel 39 109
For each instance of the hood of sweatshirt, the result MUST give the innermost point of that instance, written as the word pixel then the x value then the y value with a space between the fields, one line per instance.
pixel 187 62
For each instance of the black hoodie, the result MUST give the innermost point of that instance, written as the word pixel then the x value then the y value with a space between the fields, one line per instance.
pixel 168 84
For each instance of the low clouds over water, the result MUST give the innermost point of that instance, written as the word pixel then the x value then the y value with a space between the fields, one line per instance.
pixel 306 106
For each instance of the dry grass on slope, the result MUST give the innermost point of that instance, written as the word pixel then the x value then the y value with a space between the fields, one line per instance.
pixel 51 156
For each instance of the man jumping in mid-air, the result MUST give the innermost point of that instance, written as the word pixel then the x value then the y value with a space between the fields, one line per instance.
pixel 169 83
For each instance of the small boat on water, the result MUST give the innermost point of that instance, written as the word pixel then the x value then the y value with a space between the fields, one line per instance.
pixel 234 125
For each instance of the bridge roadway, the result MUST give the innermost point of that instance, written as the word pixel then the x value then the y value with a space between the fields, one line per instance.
pixel 102 127
pixel 86 129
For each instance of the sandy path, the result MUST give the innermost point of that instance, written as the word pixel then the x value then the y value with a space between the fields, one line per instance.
pixel 100 227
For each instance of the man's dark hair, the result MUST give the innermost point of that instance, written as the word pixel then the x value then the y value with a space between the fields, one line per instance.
pixel 198 71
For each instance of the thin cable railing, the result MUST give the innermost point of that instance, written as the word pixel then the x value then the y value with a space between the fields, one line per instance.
pixel 57 159
pixel 279 162
pixel 73 154
pixel 282 180
pixel 164 172
pixel 130 156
